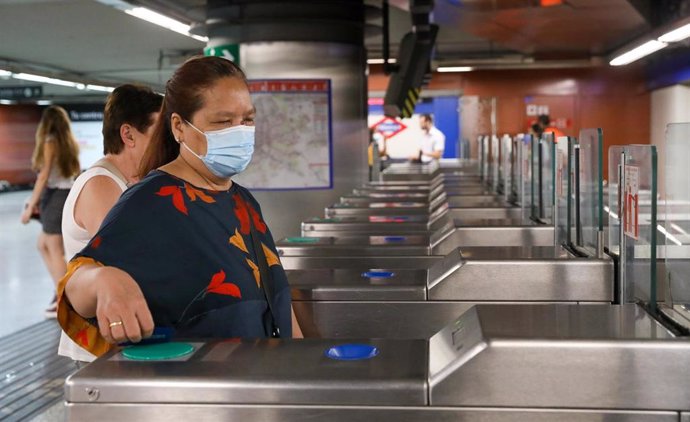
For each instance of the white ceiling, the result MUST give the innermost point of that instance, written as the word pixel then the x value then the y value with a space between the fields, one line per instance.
pixel 88 40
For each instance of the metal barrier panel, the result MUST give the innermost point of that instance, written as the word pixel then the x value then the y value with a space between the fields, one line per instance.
pixel 591 190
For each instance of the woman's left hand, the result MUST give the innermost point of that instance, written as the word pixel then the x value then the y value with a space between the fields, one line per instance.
pixel 26 214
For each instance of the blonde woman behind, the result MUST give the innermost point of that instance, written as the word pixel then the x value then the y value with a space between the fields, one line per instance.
pixel 56 158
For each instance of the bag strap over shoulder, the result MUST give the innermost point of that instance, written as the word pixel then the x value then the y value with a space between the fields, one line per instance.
pixel 103 163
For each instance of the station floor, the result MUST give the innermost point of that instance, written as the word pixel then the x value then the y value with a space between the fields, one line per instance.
pixel 24 280
pixel 25 285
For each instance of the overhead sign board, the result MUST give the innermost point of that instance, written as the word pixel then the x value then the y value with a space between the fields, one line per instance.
pixel 20 92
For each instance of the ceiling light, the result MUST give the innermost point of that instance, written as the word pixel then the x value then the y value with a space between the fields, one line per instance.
pixel 100 88
pixel 6 102
pixel 379 61
pixel 454 69
pixel 47 80
pixel 44 102
pixel 676 35
pixel 5 73
pixel 164 21
pixel 637 53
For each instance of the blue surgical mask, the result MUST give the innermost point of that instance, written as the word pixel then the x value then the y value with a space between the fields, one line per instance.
pixel 228 151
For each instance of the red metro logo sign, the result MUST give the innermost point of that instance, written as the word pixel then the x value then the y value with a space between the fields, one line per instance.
pixel 389 127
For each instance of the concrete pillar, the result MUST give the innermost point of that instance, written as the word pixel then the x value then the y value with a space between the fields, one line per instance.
pixel 299 40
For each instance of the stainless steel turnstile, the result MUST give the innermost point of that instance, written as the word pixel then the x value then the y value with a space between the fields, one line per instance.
pixel 492 363
pixel 445 235
pixel 360 296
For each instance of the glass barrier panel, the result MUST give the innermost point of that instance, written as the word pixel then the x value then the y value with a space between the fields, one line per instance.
pixel 563 193
pixel 485 159
pixel 639 225
pixel 547 169
pixel 613 207
pixel 591 190
pixel 495 162
pixel 505 169
pixel 514 189
pixel 535 195
pixel 525 175
pixel 676 224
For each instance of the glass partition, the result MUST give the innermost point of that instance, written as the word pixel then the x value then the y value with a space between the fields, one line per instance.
pixel 514 186
pixel 563 190
pixel 484 154
pixel 613 207
pixel 535 192
pixel 639 226
pixel 525 175
pixel 591 191
pixel 676 222
pixel 505 169
pixel 546 177
pixel 495 162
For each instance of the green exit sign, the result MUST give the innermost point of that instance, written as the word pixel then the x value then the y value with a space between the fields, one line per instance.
pixel 227 51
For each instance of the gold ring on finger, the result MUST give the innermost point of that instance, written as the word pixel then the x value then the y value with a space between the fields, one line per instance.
pixel 115 324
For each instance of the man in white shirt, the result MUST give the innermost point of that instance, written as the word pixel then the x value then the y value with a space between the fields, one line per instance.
pixel 433 141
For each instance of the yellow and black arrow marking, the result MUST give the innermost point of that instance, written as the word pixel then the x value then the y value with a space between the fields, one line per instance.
pixel 410 102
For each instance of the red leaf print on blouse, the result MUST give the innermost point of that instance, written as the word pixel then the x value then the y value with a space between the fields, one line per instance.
pixel 96 242
pixel 83 338
pixel 241 213
pixel 244 212
pixel 177 198
pixel 219 286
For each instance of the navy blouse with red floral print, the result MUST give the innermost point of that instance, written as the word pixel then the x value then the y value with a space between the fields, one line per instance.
pixel 190 250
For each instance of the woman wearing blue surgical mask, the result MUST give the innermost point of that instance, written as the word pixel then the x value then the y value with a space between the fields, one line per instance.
pixel 186 248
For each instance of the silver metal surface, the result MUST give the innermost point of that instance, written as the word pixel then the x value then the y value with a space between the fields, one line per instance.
pixel 529 274
pixel 346 262
pixel 482 235
pixel 477 201
pixel 685 417
pixel 271 413
pixel 380 226
pixel 559 356
pixel 356 285
pixel 511 274
pixel 499 212
pixel 388 319
pixel 255 371
pixel 431 204
pixel 338 210
pixel 361 246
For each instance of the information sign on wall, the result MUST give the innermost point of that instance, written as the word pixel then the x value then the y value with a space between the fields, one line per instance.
pixel 293 135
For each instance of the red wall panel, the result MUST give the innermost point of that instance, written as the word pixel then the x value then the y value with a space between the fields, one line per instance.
pixel 18 125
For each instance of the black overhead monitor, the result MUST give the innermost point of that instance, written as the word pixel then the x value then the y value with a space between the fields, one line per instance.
pixel 405 84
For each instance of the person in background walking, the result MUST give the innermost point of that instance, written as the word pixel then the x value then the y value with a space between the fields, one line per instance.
pixel 56 158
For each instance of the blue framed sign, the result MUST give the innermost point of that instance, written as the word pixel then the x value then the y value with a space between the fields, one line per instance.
pixel 293 148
